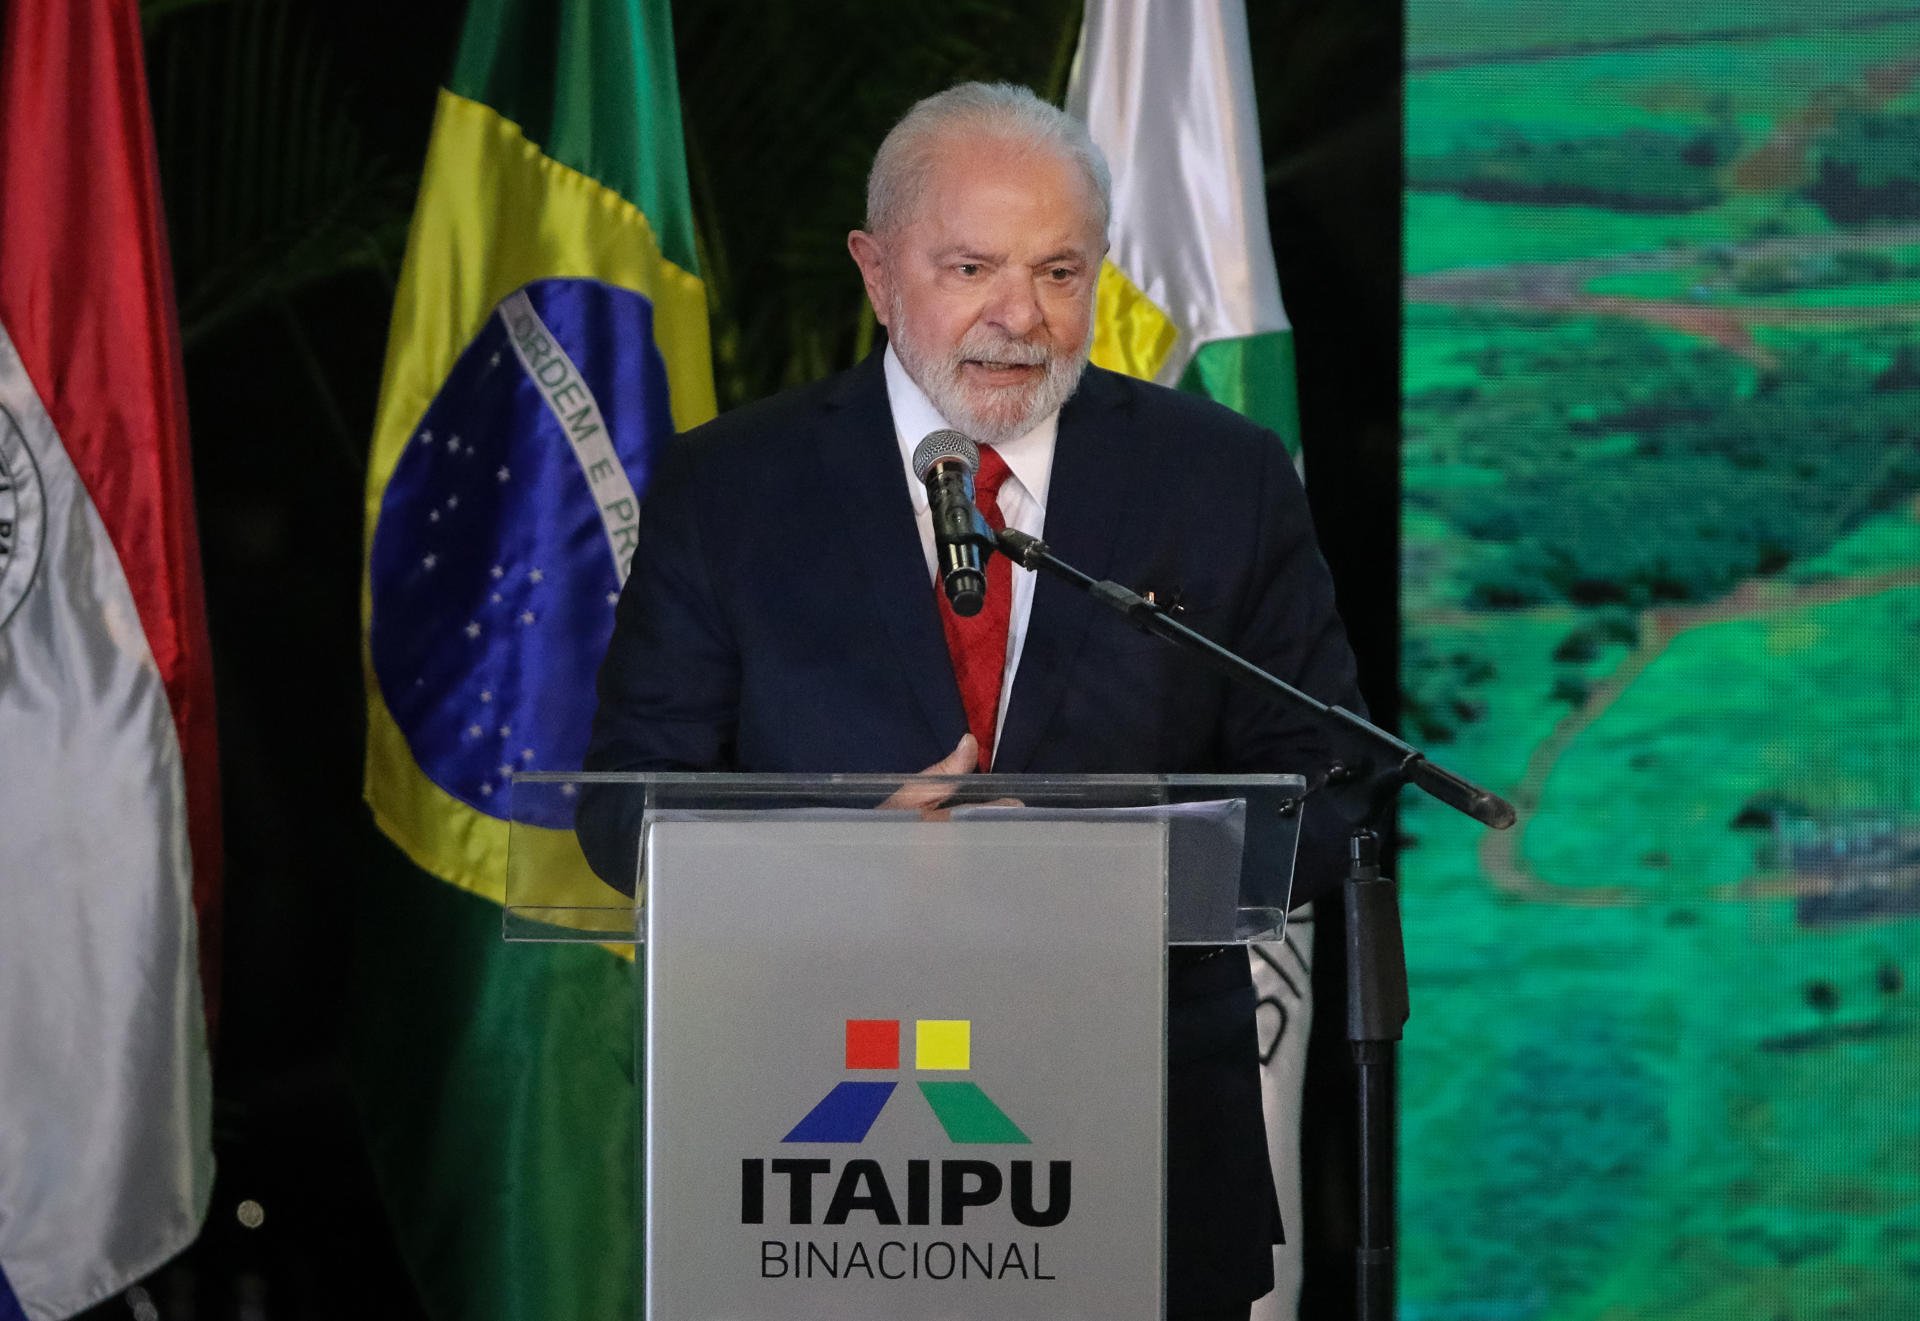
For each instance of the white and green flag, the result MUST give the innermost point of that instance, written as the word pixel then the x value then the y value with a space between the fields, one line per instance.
pixel 1189 296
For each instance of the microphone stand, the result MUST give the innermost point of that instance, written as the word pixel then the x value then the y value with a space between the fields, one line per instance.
pixel 1369 769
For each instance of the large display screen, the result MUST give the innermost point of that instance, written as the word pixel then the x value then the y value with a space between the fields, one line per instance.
pixel 1662 586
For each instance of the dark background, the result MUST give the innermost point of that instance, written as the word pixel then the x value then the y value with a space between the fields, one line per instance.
pixel 291 135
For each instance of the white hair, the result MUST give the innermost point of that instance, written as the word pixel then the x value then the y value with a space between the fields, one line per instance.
pixel 994 111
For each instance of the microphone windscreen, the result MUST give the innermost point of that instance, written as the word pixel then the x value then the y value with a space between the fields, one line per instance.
pixel 942 445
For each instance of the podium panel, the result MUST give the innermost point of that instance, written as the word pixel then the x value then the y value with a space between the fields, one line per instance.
pixel 923 1081
pixel 901 1065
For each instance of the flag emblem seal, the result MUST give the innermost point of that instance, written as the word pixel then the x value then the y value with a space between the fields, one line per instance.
pixel 23 517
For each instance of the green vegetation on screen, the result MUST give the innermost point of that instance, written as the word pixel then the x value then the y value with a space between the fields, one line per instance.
pixel 1622 469
pixel 1437 30
pixel 1675 89
pixel 1865 169
pixel 1656 784
pixel 1662 582
pixel 1444 230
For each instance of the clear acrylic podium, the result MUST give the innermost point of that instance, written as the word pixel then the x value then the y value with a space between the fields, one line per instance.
pixel 901 1064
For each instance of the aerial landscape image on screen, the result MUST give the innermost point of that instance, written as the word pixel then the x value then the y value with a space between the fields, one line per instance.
pixel 1661 587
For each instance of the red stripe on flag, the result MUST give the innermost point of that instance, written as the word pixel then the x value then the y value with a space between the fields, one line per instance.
pixel 87 295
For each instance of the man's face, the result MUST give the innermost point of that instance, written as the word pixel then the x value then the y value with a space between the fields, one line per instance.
pixel 987 291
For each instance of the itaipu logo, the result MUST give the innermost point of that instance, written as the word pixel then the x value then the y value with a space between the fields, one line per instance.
pixel 912 1191
pixel 23 517
pixel 940 1045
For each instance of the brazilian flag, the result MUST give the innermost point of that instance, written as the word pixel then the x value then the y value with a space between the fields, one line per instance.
pixel 549 336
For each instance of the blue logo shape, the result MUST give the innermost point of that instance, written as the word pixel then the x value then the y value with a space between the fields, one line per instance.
pixel 844 1114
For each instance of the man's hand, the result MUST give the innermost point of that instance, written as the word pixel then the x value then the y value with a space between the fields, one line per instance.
pixel 924 796
pixel 927 796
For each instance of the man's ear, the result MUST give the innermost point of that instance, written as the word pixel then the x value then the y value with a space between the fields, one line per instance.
pixel 871 257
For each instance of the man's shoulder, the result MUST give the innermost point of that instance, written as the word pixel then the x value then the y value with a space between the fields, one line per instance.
pixel 746 433
pixel 1161 413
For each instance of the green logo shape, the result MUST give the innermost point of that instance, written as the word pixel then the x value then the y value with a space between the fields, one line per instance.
pixel 968 1115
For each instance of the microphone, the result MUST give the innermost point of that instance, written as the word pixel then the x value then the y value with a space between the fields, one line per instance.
pixel 946 461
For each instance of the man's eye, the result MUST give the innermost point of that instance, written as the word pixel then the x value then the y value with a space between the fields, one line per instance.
pixel 1061 274
pixel 968 268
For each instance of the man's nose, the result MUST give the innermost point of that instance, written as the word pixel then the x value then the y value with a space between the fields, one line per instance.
pixel 1015 309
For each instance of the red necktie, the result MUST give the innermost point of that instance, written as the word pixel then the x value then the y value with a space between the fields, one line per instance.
pixel 979 645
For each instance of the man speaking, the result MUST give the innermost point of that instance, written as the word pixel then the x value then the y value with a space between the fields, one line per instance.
pixel 783 612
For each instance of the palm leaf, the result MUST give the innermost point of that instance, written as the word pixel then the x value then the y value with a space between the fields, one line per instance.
pixel 268 187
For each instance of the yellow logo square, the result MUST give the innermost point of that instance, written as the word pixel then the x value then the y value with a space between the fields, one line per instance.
pixel 943 1043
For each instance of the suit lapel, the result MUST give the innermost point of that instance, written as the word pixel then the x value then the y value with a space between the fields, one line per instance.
pixel 875 520
pixel 1095 460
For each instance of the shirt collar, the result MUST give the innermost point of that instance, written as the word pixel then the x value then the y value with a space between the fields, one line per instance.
pixel 1029 458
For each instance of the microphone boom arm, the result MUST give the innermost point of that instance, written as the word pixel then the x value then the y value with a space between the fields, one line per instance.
pixel 1360 742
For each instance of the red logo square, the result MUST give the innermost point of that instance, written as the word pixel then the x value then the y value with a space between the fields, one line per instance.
pixel 873 1043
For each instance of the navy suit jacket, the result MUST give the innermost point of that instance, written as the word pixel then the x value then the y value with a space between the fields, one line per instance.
pixel 780 618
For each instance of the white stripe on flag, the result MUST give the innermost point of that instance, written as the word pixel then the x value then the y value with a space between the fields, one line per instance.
pixel 1283 990
pixel 572 404
pixel 106 1159
pixel 1166 89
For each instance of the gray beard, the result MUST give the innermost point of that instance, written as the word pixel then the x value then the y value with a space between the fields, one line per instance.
pixel 989 416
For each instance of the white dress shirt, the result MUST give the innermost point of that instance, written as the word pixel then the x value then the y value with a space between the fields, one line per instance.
pixel 1023 496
